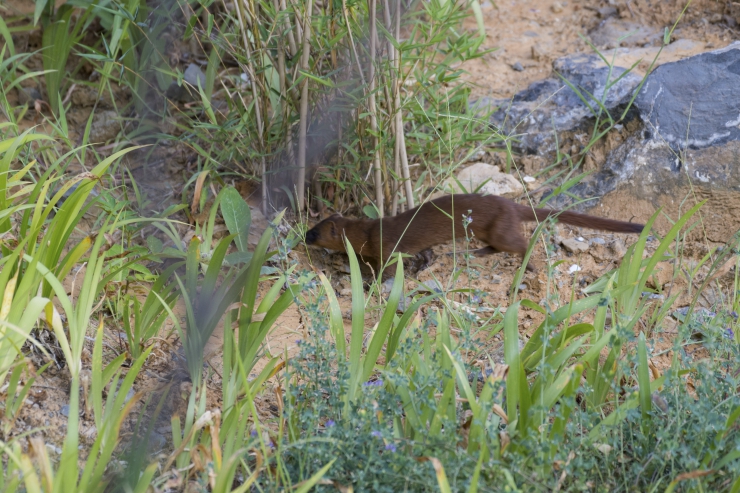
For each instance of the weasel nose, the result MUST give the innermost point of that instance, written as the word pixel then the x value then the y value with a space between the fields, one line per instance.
pixel 311 236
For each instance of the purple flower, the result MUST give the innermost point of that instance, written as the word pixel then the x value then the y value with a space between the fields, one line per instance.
pixel 729 332
pixel 390 447
pixel 376 434
pixel 298 341
pixel 329 423
pixel 734 315
pixel 374 383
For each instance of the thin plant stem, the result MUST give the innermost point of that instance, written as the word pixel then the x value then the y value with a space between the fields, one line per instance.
pixel 400 135
pixel 379 199
pixel 257 106
pixel 305 55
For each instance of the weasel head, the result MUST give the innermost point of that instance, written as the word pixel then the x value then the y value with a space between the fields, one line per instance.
pixel 327 234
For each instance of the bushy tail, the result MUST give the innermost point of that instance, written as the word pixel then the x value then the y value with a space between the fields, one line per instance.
pixel 578 219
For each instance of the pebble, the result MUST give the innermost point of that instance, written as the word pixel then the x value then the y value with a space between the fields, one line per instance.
pixel 404 303
pixel 477 156
pixel 522 287
pixel 518 67
pixel 575 245
pixel 574 268
pixel 345 292
pixel 530 182
pixel 387 285
pixel 429 286
pixel 618 249
pixel 65 410
pixel 598 241
pixel 496 279
pixel 556 7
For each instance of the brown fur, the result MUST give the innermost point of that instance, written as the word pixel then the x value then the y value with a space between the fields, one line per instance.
pixel 496 222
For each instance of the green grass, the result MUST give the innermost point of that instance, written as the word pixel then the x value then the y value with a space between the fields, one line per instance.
pixel 576 407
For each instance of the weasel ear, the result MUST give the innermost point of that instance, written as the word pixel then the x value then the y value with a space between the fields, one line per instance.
pixel 333 230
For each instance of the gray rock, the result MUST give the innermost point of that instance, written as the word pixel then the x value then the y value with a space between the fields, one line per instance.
pixel 615 32
pixel 617 248
pixel 658 164
pixel 429 286
pixel 193 75
pixel 404 303
pixel 387 285
pixel 598 241
pixel 105 126
pixel 606 12
pixel 694 102
pixel 522 287
pixel 550 104
pixel 28 95
pixel 575 246
pixel 518 67
pixel 64 411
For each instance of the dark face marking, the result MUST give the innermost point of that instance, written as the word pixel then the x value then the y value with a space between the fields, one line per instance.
pixel 311 236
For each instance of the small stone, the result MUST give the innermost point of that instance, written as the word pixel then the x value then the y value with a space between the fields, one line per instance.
pixel 105 126
pixel 604 448
pixel 518 67
pixel 65 410
pixel 575 246
pixel 345 292
pixel 496 279
pixel 28 95
pixel 531 183
pixel 476 156
pixel 617 248
pixel 403 303
pixel 659 401
pixel 522 287
pixel 387 285
pixel 194 75
pixel 605 12
pixel 430 286
pixel 598 241
pixel 662 275
pixel 556 7
pixel 482 178
pixel 574 268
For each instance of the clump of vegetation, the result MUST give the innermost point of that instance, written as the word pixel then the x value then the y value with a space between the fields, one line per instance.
pixel 98 289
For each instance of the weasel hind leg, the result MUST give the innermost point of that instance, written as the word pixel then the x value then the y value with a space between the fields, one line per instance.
pixel 505 237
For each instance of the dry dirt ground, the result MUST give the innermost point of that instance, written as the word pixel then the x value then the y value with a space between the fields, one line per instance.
pixel 529 36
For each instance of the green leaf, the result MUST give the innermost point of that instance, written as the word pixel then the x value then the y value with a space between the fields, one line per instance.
pixel 237 216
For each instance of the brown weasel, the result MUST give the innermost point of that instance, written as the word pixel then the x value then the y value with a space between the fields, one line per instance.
pixel 496 221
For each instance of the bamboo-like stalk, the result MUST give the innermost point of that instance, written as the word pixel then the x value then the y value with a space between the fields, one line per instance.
pixel 379 198
pixel 291 39
pixel 256 98
pixel 286 29
pixel 303 128
pixel 394 123
pixel 285 111
pixel 352 42
pixel 400 135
